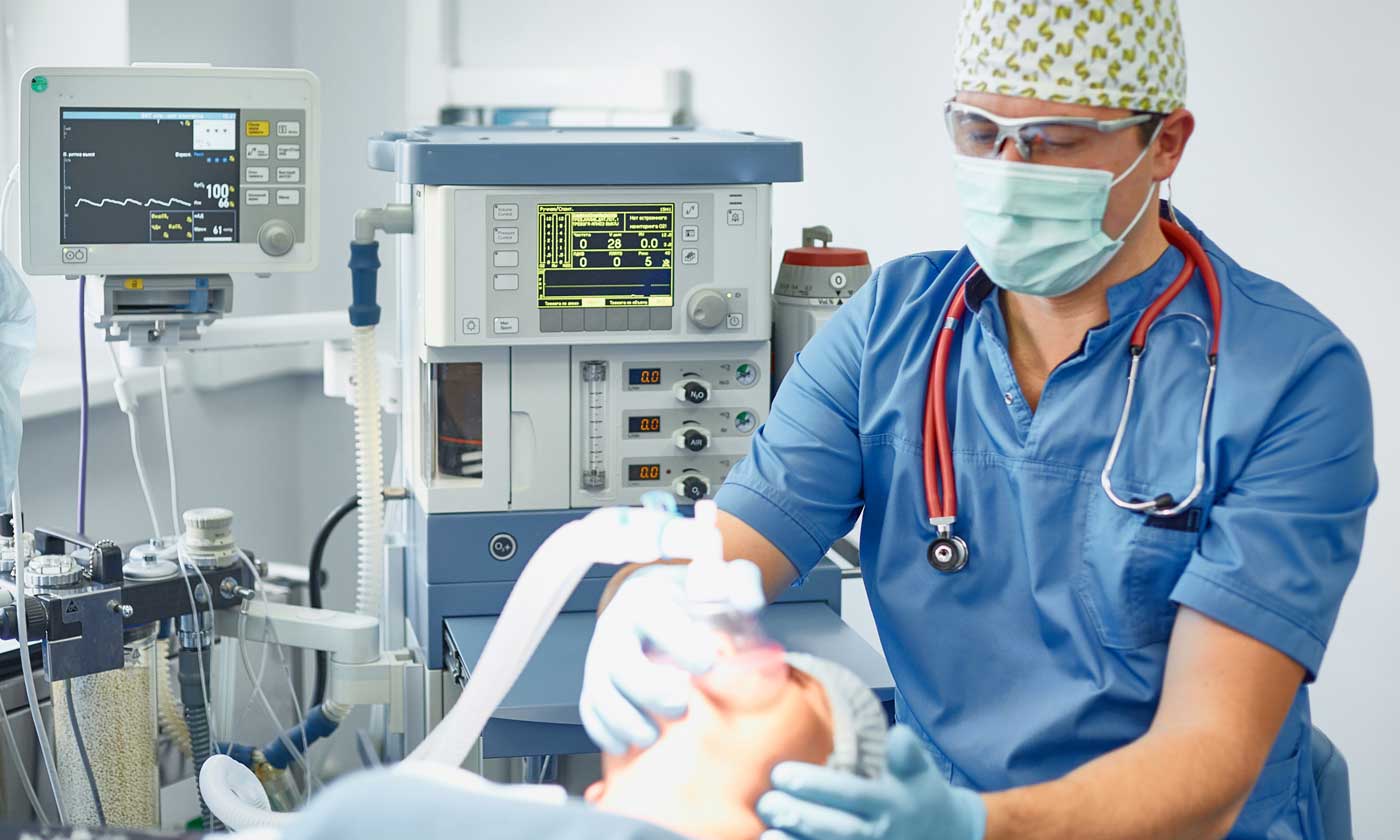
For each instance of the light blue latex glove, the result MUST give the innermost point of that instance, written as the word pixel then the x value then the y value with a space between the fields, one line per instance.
pixel 912 801
pixel 17 337
pixel 644 651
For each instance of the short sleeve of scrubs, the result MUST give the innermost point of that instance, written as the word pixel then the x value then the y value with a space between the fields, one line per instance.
pixel 1283 541
pixel 801 486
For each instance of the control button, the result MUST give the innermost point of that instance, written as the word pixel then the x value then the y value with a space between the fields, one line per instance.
pixel 707 309
pixel 573 320
pixel 505 282
pixel 837 280
pixel 471 326
pixel 75 255
pixel 288 128
pixel 289 152
pixel 690 233
pixel 594 319
pixel 551 320
pixel 288 174
pixel 505 235
pixel 734 217
pixel 692 487
pixel 276 237
pixel 745 422
pixel 255 198
pixel 692 439
pixel 505 212
pixel 690 256
pixel 617 320
pixel 257 175
pixel 288 197
pixel 506 259
pixel 690 210
pixel 638 319
pixel 502 547
pixel 661 318
pixel 256 151
pixel 694 391
pixel 746 374
pixel 505 326
pixel 734 321
pixel 257 128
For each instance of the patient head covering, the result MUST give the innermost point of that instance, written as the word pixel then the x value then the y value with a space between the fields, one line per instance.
pixel 858 724
pixel 1108 53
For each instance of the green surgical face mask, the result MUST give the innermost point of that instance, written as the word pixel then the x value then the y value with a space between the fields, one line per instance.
pixel 1038 229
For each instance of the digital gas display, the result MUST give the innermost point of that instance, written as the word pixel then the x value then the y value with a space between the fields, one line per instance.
pixel 606 255
pixel 643 472
pixel 643 425
pixel 148 176
pixel 644 376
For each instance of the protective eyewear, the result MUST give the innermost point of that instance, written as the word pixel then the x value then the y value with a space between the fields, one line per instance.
pixel 979 133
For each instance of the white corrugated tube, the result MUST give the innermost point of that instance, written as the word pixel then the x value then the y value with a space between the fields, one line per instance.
pixel 369 459
pixel 234 795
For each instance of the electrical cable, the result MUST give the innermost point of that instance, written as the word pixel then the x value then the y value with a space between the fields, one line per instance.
pixel 170 451
pixel 22 626
pixel 82 405
pixel 83 753
pixel 120 386
pixel 314 587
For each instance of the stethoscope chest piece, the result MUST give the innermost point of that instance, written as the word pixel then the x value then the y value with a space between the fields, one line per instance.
pixel 948 554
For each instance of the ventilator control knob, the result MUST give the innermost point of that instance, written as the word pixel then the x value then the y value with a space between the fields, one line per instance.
pixel 36 618
pixel 692 438
pixel 276 237
pixel 693 487
pixel 693 391
pixel 708 309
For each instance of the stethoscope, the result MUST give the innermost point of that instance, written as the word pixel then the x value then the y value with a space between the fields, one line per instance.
pixel 948 552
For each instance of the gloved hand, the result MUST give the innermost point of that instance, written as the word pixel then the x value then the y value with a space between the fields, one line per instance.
pixel 912 801
pixel 644 651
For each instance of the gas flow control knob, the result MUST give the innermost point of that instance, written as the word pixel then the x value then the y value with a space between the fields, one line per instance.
pixel 276 237
pixel 692 438
pixel 693 487
pixel 708 309
pixel 693 391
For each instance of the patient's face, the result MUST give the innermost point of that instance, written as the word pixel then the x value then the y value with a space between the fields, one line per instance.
pixel 703 775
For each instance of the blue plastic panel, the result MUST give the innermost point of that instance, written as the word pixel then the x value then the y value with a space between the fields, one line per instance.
pixel 524 156
pixel 539 715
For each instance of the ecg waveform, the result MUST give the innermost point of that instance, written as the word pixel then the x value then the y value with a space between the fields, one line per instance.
pixel 125 202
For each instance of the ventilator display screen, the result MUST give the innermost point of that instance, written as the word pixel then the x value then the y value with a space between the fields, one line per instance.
pixel 148 176
pixel 606 255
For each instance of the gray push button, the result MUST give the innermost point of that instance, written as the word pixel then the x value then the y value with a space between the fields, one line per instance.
pixel 573 320
pixel 505 282
pixel 551 320
pixel 505 326
pixel 255 198
pixel 506 212
pixel 661 318
pixel 288 128
pixel 256 151
pixel 506 235
pixel 594 319
pixel 638 319
pixel 617 320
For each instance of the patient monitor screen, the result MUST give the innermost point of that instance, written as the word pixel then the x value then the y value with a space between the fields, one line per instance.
pixel 148 176
pixel 606 255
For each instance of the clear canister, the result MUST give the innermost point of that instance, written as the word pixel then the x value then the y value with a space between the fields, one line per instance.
pixel 116 715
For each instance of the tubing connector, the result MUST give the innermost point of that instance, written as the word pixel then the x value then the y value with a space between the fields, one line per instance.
pixel 364 257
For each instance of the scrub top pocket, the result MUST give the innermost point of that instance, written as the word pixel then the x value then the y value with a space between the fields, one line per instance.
pixel 1128 571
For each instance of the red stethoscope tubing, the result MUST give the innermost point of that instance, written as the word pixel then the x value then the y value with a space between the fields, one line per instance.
pixel 940 485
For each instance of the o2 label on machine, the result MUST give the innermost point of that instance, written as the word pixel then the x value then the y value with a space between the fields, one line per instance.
pixel 148 177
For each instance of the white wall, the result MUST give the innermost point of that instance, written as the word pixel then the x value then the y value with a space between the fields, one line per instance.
pixel 1291 170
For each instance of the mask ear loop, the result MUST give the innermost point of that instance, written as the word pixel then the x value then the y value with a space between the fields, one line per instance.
pixel 1171 208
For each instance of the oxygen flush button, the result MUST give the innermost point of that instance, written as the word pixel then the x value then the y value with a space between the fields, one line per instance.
pixel 503 547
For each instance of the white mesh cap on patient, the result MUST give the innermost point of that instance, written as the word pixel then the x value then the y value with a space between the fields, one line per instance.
pixel 858 725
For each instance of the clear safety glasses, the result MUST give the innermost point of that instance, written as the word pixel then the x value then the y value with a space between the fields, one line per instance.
pixel 1050 140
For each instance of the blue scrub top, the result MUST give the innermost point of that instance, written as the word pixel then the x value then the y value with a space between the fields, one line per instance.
pixel 1048 649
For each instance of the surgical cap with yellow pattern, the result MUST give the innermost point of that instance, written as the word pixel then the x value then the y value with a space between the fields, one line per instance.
pixel 1109 53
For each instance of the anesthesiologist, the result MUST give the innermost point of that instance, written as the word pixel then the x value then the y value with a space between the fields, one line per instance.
pixel 17 337
pixel 1127 648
